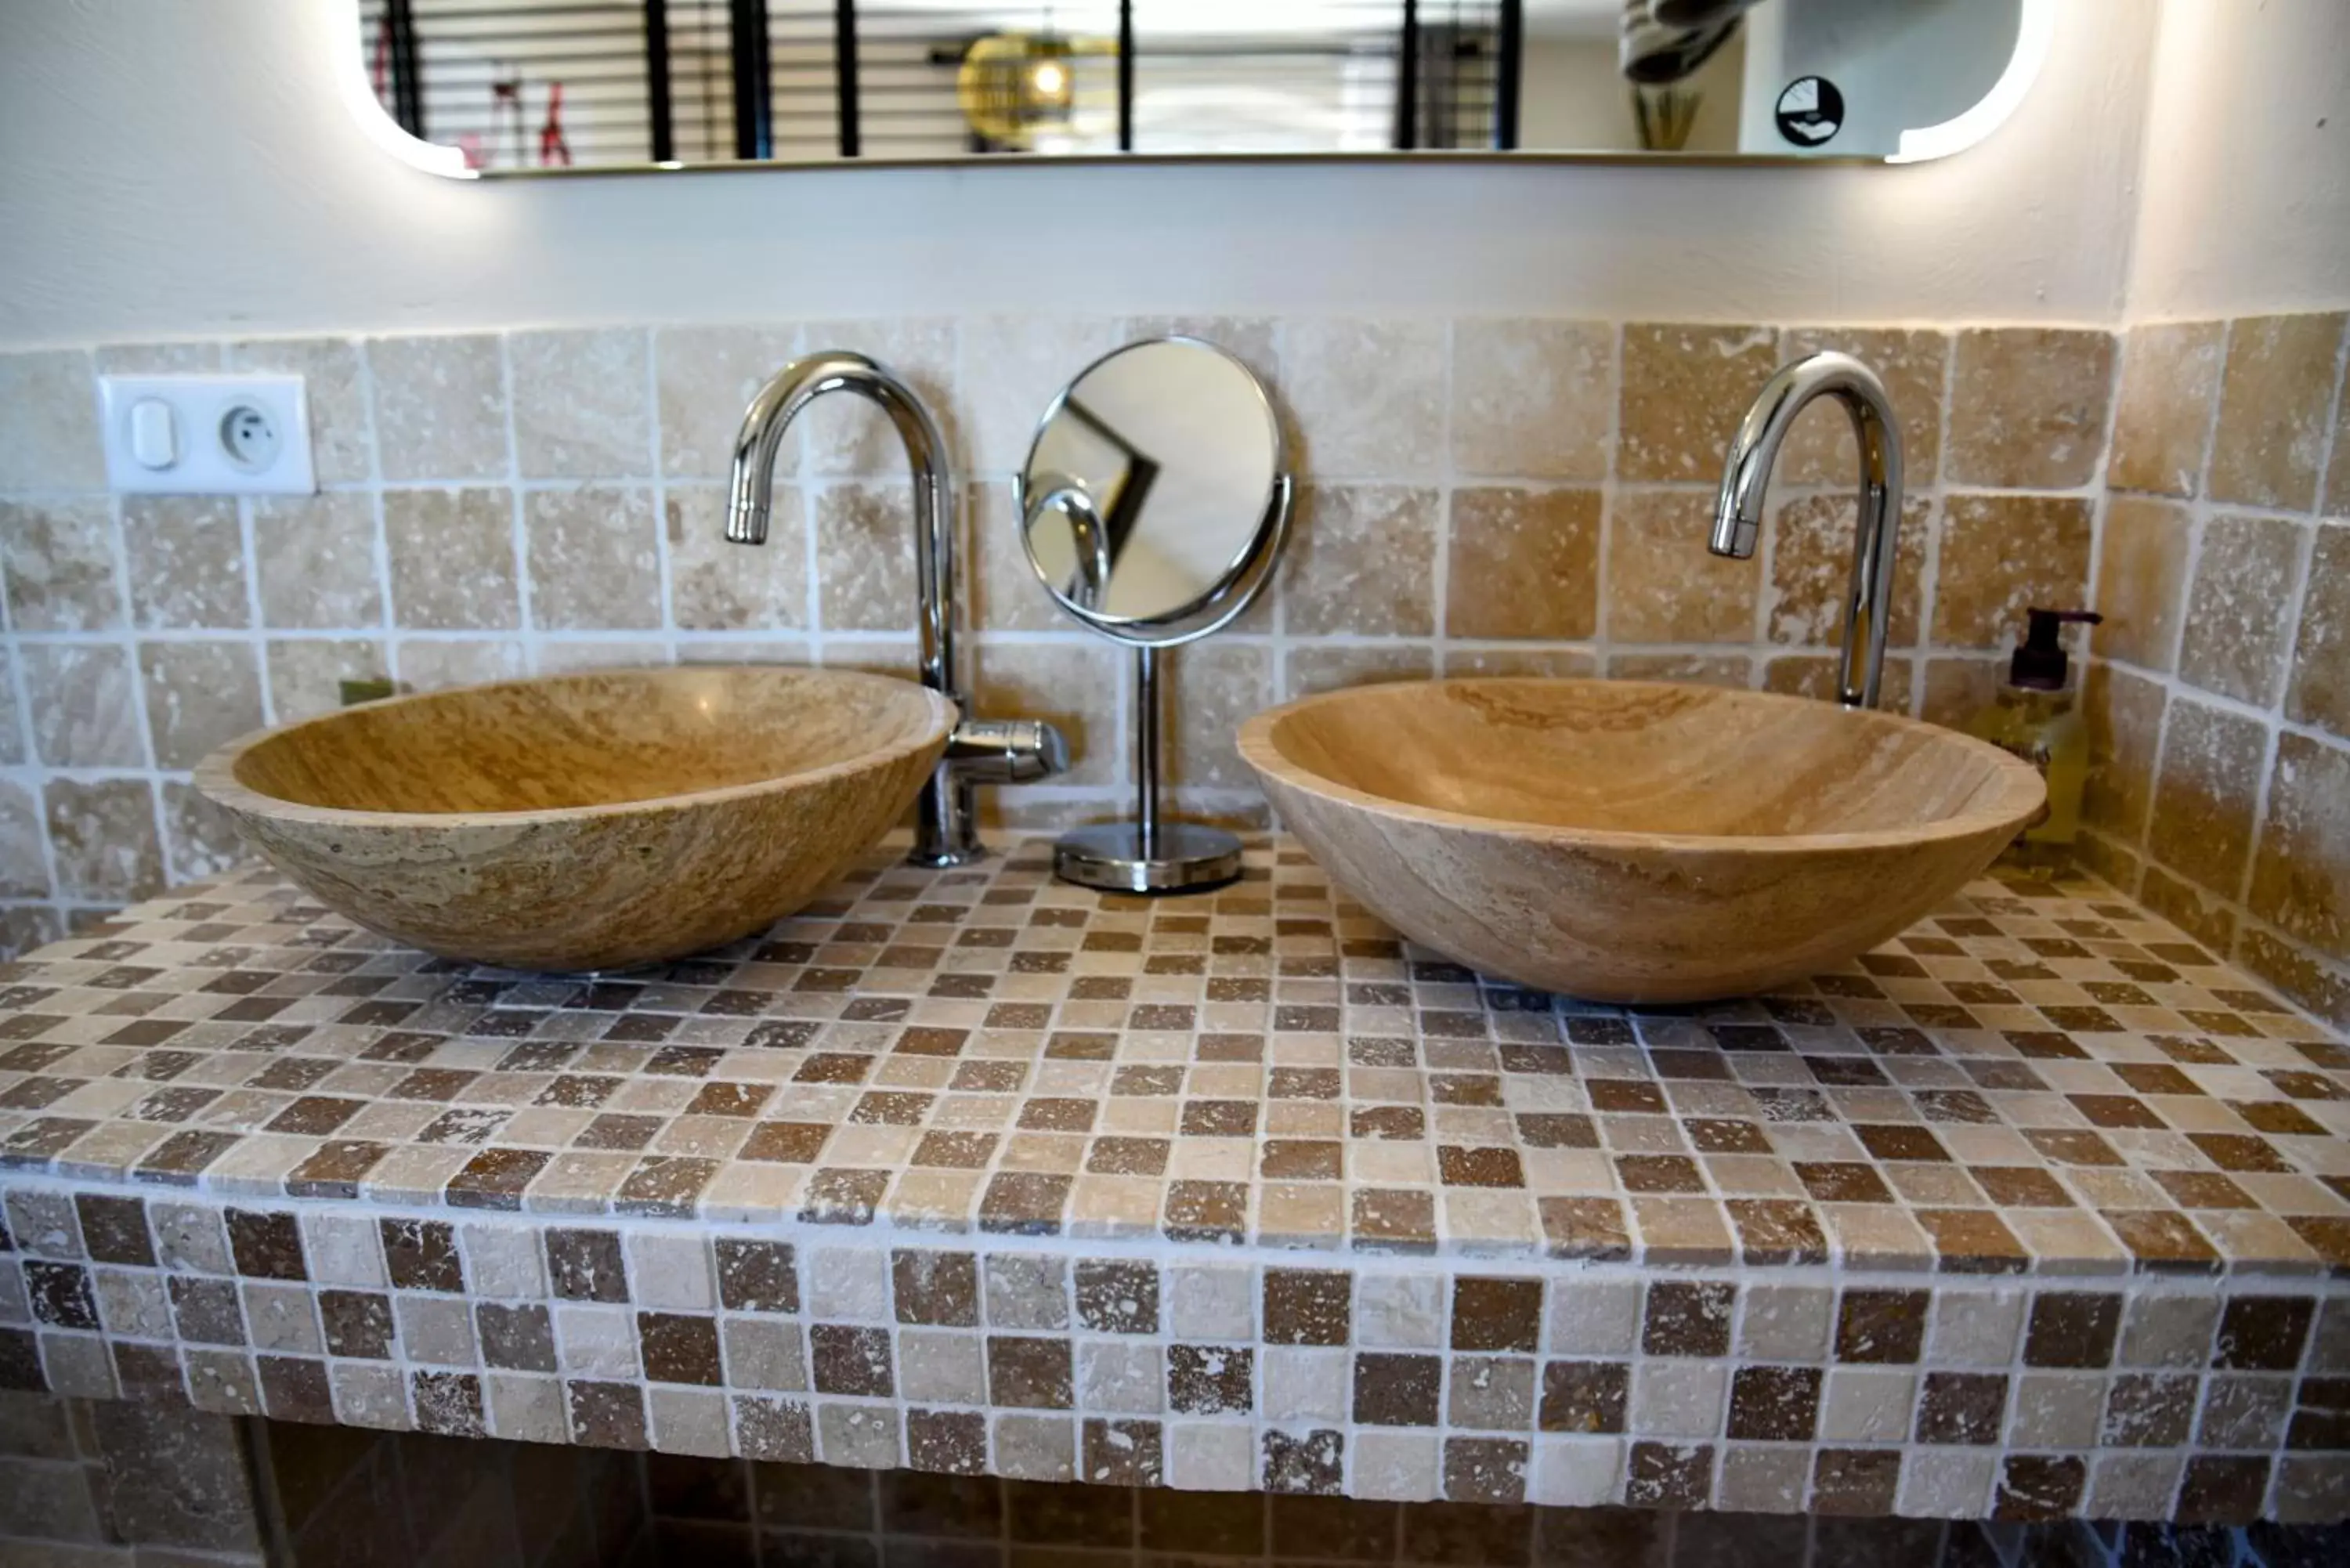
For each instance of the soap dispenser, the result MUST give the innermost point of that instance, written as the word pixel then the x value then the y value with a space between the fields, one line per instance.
pixel 2037 718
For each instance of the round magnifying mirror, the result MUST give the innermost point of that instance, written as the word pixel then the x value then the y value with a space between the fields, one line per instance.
pixel 1153 507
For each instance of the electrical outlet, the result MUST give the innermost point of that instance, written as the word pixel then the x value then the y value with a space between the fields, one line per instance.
pixel 207 435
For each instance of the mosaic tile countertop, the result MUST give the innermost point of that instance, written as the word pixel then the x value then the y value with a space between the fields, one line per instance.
pixel 2037 1212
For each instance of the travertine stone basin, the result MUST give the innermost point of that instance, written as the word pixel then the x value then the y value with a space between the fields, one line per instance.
pixel 588 821
pixel 1627 841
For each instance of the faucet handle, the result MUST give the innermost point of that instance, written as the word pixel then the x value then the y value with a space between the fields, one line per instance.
pixel 1007 751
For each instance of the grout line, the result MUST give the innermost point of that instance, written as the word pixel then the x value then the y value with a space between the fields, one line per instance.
pixel 662 567
pixel 526 619
pixel 386 610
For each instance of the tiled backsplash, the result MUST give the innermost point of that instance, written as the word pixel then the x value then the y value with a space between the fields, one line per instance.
pixel 1478 495
pixel 2220 699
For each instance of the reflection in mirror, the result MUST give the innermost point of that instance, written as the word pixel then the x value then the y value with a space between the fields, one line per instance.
pixel 510 86
pixel 1153 508
pixel 1178 430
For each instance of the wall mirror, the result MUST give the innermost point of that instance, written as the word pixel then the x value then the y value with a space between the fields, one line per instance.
pixel 1153 507
pixel 513 87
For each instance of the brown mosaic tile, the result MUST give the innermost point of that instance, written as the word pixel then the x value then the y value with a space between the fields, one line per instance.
pixel 1308 1306
pixel 1209 1380
pixel 935 1287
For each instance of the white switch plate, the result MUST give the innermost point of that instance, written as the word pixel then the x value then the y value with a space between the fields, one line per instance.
pixel 201 461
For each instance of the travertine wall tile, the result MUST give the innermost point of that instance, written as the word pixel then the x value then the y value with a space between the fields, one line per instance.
pixel 1816 676
pixel 705 377
pixel 1525 659
pixel 1329 668
pixel 1010 368
pixel 424 665
pixel 1366 395
pixel 1524 563
pixel 1956 689
pixel 1684 390
pixel 2206 793
pixel 314 557
pixel 2162 420
pixel 198 695
pixel 102 836
pixel 1004 593
pixel 60 560
pixel 2237 627
pixel 2300 881
pixel 2269 445
pixel 440 407
pixel 1913 364
pixel 851 434
pixel 14 746
pixel 1732 670
pixel 1662 584
pixel 580 403
pixel 305 674
pixel 85 705
pixel 1213 688
pixel 593 558
pixel 864 556
pixel 2336 501
pixel 24 862
pixel 2319 690
pixel 715 585
pixel 452 554
pixel 1075 685
pixel 2142 581
pixel 1361 560
pixel 186 559
pixel 2028 407
pixel 200 840
pixel 1533 399
pixel 1811 569
pixel 2123 713
pixel 49 422
pixel 2002 555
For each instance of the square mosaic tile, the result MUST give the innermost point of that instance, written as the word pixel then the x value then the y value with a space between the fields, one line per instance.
pixel 978 1173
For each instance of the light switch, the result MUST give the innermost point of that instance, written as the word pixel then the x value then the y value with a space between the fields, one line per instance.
pixel 153 443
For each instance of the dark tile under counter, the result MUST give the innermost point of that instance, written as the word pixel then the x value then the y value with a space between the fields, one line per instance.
pixel 2035 1213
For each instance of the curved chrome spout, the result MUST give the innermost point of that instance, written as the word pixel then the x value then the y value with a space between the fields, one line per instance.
pixel 945 832
pixel 1738 514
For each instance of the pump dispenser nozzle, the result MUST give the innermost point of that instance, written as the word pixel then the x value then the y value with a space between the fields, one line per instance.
pixel 2039 664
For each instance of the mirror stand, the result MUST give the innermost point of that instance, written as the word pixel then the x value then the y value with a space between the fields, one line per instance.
pixel 1152 508
pixel 1146 855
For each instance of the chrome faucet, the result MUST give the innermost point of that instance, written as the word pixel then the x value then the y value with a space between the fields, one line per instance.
pixel 981 751
pixel 1737 514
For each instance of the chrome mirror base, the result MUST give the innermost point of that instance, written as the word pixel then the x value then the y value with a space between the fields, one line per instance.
pixel 1185 858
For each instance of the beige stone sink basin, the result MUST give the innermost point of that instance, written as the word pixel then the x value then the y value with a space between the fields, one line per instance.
pixel 586 822
pixel 1632 842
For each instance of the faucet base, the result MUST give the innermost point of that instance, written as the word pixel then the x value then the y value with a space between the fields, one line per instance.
pixel 944 860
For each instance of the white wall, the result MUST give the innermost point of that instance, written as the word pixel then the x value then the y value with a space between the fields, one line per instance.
pixel 2246 205
pixel 188 168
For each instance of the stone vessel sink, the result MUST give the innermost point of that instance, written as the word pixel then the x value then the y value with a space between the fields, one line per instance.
pixel 586 822
pixel 1633 842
